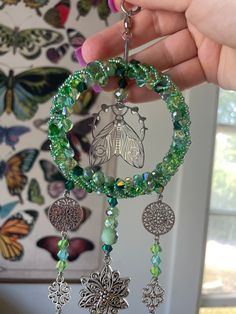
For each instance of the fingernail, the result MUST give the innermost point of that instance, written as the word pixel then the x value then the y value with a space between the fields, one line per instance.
pixel 97 88
pixel 112 6
pixel 79 57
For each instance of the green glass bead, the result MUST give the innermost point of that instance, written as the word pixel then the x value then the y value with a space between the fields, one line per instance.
pixel 109 236
pixel 120 71
pixel 111 222
pixel 63 244
pixel 69 153
pixel 98 178
pixel 120 183
pixel 66 90
pixel 112 201
pixel 155 248
pixel 107 248
pixel 121 94
pixel 69 185
pixel 88 173
pixel 138 180
pixel 78 171
pixel 81 87
pixel 69 101
pixel 113 211
pixel 109 181
pixel 66 125
pixel 54 131
pixel 61 266
pixel 111 69
pixel 155 271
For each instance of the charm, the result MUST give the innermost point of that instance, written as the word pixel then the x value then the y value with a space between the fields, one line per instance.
pixel 153 295
pixel 118 138
pixel 65 214
pixel 158 219
pixel 59 293
pixel 104 291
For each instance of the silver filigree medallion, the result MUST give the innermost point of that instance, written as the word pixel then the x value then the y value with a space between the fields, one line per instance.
pixel 153 295
pixel 105 291
pixel 59 293
pixel 158 218
pixel 65 214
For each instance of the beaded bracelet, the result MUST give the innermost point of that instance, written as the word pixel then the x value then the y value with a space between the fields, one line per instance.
pixel 99 72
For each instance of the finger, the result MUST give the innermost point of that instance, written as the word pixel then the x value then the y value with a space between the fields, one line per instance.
pixel 172 5
pixel 169 52
pixel 109 43
pixel 185 75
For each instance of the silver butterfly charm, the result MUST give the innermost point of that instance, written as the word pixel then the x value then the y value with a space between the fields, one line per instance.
pixel 118 138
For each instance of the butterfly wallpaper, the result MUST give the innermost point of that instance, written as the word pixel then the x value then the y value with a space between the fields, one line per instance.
pixel 37 42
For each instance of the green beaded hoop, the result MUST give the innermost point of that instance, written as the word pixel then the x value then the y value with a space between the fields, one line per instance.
pixel 99 72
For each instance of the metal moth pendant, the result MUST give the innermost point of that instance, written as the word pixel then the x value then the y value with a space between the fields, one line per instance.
pixel 118 138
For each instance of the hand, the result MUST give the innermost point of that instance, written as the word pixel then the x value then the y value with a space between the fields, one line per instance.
pixel 199 42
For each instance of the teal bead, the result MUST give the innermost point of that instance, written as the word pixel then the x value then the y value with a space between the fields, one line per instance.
pixel 122 83
pixel 61 266
pixel 81 87
pixel 78 171
pixel 112 201
pixel 69 102
pixel 63 255
pixel 69 185
pixel 63 244
pixel 107 249
pixel 109 236
pixel 156 260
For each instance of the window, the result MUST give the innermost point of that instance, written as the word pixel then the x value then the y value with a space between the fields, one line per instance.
pixel 219 280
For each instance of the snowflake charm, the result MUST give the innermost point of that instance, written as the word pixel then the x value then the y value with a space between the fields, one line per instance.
pixel 59 293
pixel 104 292
pixel 153 295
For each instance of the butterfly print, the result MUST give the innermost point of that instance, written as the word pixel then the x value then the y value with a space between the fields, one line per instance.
pixel 58 15
pixel 33 4
pixel 77 136
pixel 34 193
pixel 20 94
pixel 14 169
pixel 14 228
pixel 77 246
pixel 11 135
pixel 84 7
pixel 27 42
pixel 6 209
pixel 56 181
pixel 75 40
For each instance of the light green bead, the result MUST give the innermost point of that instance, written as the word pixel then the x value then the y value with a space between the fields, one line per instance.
pixel 109 236
pixel 111 222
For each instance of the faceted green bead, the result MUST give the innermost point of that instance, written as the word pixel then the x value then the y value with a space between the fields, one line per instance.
pixel 107 248
pixel 81 87
pixel 109 236
pixel 66 125
pixel 61 266
pixel 69 101
pixel 155 271
pixel 66 90
pixel 121 94
pixel 112 201
pixel 109 181
pixel 111 222
pixel 69 185
pixel 98 178
pixel 122 83
pixel 88 173
pixel 78 171
pixel 155 248
pixel 63 244
pixel 69 153
pixel 112 211
pixel 120 183
pixel 54 131
pixel 138 180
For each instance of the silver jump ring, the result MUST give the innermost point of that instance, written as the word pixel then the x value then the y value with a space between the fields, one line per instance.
pixel 131 12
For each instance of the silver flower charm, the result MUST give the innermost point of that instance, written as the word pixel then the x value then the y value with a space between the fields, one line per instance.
pixel 153 295
pixel 59 293
pixel 104 292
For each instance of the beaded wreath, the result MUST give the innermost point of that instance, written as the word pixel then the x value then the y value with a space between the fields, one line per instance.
pixel 99 72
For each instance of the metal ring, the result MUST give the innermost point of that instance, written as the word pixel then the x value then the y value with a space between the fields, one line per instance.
pixel 129 12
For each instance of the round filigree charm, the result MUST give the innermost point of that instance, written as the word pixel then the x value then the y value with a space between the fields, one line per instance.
pixel 158 218
pixel 65 214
